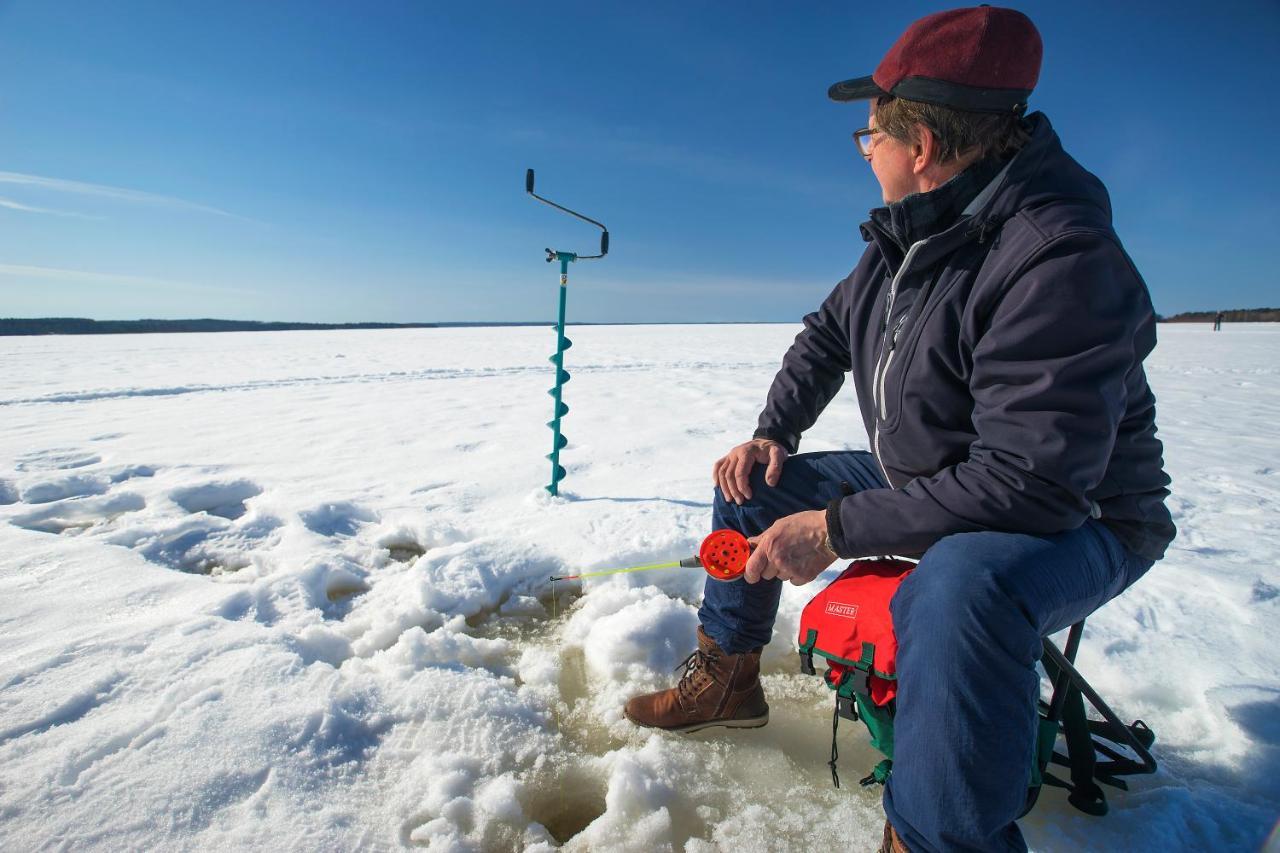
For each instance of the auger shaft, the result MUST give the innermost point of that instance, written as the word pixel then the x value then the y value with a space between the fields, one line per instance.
pixel 562 376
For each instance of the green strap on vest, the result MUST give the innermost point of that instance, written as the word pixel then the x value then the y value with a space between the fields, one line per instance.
pixel 879 722
pixel 853 702
pixel 879 775
pixel 806 655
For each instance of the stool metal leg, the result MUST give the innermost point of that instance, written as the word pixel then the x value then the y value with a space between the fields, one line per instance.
pixel 1135 737
pixel 1085 738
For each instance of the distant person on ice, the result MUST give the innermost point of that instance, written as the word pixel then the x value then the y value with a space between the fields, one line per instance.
pixel 1217 322
pixel 995 330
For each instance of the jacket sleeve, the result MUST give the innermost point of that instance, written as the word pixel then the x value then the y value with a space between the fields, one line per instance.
pixel 1048 387
pixel 812 372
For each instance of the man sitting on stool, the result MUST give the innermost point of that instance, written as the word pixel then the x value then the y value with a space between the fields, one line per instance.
pixel 995 330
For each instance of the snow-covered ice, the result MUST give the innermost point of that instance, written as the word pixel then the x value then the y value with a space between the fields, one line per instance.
pixel 288 591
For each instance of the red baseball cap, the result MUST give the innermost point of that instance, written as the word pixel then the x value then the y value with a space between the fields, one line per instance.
pixel 982 59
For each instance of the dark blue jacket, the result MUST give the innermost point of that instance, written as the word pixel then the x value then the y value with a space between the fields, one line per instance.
pixel 998 366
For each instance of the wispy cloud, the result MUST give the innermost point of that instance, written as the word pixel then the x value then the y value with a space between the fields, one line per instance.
pixel 122 194
pixel 24 271
pixel 10 204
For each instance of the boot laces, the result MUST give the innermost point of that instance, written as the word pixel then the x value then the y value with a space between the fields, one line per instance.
pixel 697 666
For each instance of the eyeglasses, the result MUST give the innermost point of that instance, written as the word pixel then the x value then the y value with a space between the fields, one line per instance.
pixel 862 139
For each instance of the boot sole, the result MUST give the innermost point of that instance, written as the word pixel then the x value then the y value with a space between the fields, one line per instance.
pixel 745 723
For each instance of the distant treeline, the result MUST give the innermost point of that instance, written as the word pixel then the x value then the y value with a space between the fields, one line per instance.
pixel 1236 315
pixel 82 326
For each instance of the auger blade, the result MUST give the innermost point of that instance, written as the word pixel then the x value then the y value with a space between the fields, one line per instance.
pixel 561 442
pixel 561 410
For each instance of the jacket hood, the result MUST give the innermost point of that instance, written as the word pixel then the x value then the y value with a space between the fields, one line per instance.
pixel 1041 172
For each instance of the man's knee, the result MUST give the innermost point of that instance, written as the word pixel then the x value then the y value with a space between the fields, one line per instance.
pixel 763 495
pixel 958 588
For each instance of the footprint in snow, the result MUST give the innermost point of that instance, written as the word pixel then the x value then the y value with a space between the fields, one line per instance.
pixel 1263 591
pixel 56 459
pixel 78 515
pixel 62 488
pixel 129 472
pixel 249 604
pixel 342 518
pixel 201 544
pixel 225 500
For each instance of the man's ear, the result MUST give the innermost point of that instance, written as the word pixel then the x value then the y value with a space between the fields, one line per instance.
pixel 923 149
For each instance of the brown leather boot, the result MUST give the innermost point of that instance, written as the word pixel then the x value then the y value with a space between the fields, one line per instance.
pixel 891 842
pixel 716 690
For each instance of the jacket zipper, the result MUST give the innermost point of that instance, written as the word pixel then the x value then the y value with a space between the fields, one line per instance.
pixel 886 350
pixel 888 360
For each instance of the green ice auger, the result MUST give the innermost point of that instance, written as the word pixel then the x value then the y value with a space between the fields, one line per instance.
pixel 562 343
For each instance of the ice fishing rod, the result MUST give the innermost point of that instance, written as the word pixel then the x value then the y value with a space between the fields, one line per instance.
pixel 723 556
pixel 562 343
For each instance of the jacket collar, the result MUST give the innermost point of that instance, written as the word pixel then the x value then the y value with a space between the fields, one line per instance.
pixel 922 215
pixel 1040 171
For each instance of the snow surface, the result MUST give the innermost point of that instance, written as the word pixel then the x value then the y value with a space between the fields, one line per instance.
pixel 287 591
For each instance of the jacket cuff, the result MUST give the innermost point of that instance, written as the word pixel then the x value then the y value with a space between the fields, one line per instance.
pixel 789 441
pixel 835 528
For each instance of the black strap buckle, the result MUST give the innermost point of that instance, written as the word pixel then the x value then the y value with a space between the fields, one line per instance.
pixel 847 708
pixel 806 664
pixel 859 681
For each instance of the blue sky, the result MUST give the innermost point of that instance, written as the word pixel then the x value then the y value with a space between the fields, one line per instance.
pixel 330 161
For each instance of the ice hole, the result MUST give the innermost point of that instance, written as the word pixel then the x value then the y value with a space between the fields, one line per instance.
pixel 567 805
pixel 205 564
pixel 405 552
pixel 339 592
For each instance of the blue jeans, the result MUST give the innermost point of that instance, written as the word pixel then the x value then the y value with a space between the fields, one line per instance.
pixel 969 621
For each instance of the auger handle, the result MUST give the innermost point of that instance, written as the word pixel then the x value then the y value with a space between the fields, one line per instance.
pixel 604 237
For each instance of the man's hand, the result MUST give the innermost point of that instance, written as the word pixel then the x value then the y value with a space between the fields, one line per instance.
pixel 732 472
pixel 792 549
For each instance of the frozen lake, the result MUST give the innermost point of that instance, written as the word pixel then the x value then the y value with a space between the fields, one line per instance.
pixel 288 591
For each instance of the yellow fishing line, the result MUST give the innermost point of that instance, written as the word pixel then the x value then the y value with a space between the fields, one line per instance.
pixel 674 564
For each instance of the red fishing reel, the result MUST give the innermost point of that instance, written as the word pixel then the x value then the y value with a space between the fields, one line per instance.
pixel 724 555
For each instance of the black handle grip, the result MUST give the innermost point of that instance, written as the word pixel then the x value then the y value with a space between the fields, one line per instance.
pixel 604 243
pixel 528 180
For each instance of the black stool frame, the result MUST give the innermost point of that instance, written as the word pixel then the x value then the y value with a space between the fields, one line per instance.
pixel 1086 739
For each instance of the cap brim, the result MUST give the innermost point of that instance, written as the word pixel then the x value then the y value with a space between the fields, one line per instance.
pixel 857 89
